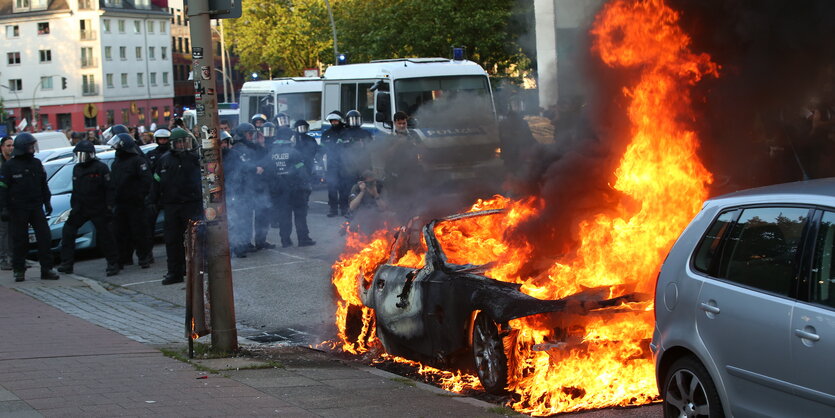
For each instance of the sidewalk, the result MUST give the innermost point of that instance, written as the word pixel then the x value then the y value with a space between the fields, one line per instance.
pixel 56 364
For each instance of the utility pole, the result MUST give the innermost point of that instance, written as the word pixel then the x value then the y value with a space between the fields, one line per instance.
pixel 219 267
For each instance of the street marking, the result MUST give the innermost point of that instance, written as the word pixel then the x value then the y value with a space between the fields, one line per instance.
pixel 134 284
pixel 269 265
pixel 320 202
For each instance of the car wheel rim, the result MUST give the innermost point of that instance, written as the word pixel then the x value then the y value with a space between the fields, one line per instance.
pixel 487 348
pixel 686 396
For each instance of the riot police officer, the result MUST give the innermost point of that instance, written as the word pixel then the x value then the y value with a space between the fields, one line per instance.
pixel 24 201
pixel 290 192
pixel 258 119
pixel 92 200
pixel 306 145
pixel 337 201
pixel 260 198
pixel 268 131
pixel 354 129
pixel 178 191
pixel 353 151
pixel 243 166
pixel 161 137
pixel 283 121
pixel 131 176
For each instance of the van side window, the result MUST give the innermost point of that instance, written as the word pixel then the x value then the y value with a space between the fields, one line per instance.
pixel 706 252
pixel 347 97
pixel 823 267
pixel 762 249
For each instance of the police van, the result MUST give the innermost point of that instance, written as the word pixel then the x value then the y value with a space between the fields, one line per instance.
pixel 449 101
pixel 298 97
pixel 227 112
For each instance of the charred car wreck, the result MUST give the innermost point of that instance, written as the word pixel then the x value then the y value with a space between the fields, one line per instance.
pixel 453 315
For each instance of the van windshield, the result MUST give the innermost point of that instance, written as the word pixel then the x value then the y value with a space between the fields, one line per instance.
pixel 260 103
pixel 307 106
pixel 434 99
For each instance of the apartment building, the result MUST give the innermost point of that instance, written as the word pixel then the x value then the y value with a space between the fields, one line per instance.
pixel 86 64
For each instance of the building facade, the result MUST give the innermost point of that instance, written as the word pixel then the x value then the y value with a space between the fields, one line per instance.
pixel 86 64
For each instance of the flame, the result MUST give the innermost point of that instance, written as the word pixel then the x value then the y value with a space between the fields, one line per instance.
pixel 568 362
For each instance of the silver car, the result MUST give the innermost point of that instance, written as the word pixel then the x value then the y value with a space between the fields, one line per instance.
pixel 745 307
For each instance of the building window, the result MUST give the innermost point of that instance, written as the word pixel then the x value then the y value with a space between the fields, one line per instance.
pixel 124 79
pixel 179 22
pixel 187 50
pixel 162 26
pixel 16 84
pixel 151 54
pixel 12 31
pixel 141 116
pixel 88 84
pixel 154 114
pixel 46 83
pixel 87 32
pixel 111 116
pixel 137 26
pixel 121 25
pixel 123 53
pixel 142 4
pixel 166 113
pixel 87 60
pixel 153 79
pixel 165 78
pixel 85 4
pixel 113 3
pixel 126 116
pixel 163 52
pixel 46 55
pixel 139 53
pixel 108 53
pixel 150 26
pixel 21 5
pixel 43 28
pixel 109 78
pixel 140 80
pixel 106 25
pixel 14 58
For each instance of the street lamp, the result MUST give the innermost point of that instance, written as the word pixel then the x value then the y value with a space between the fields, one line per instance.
pixel 226 78
pixel 333 29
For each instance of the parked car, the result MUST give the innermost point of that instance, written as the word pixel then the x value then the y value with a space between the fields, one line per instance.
pixel 745 306
pixel 63 152
pixel 59 180
pixel 451 314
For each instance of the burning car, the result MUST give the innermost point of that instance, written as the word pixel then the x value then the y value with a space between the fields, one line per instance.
pixel 452 314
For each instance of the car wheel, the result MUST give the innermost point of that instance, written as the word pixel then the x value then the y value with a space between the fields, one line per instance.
pixel 689 391
pixel 488 354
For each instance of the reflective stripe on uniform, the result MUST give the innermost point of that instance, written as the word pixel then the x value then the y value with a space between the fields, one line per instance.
pixel 156 177
pixel 2 184
pixel 299 165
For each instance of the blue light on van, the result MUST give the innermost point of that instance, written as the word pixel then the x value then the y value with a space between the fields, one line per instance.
pixel 458 53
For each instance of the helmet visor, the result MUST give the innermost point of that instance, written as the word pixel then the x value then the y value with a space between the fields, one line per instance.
pixel 268 131
pixel 302 129
pixel 183 144
pixel 83 157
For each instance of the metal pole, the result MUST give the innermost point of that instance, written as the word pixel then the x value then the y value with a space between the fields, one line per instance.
pixel 333 29
pixel 219 267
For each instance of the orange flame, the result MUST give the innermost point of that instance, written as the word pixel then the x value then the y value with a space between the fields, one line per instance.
pixel 562 362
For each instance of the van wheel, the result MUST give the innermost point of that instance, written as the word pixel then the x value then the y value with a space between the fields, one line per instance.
pixel 689 391
pixel 488 355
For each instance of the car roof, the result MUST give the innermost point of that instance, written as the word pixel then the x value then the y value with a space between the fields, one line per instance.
pixel 819 191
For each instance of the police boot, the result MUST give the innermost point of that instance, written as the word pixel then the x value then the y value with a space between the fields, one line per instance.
pixel 65 268
pixel 112 269
pixel 19 275
pixel 49 275
pixel 172 279
pixel 239 252
pixel 307 242
pixel 286 243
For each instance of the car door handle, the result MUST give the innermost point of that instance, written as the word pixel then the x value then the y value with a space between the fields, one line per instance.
pixel 806 335
pixel 709 308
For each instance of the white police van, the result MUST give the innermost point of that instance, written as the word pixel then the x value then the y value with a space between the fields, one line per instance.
pixel 450 101
pixel 227 112
pixel 298 97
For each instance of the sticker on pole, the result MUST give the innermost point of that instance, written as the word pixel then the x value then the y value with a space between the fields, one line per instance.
pixel 197 52
pixel 206 72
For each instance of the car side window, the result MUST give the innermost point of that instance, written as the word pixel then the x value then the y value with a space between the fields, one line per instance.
pixel 823 267
pixel 762 248
pixel 706 252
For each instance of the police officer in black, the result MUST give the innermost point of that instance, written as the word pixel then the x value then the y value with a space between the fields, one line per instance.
pixel 354 155
pixel 306 144
pixel 92 200
pixel 131 176
pixel 162 138
pixel 284 132
pixel 178 191
pixel 290 191
pixel 243 164
pixel 337 200
pixel 24 201
pixel 261 200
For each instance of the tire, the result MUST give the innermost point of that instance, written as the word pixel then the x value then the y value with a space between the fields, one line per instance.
pixel 689 391
pixel 488 355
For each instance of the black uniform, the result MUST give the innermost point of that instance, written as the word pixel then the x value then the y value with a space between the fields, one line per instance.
pixel 178 191
pixel 308 147
pixel 337 198
pixel 93 199
pixel 290 190
pixel 355 159
pixel 131 176
pixel 242 168
pixel 153 156
pixel 24 193
pixel 261 199
pixel 282 133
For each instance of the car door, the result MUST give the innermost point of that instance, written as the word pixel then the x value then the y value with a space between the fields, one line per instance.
pixel 812 331
pixel 743 314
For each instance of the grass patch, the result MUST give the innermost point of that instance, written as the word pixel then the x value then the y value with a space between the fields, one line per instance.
pixel 403 380
pixel 181 354
pixel 268 365
pixel 503 410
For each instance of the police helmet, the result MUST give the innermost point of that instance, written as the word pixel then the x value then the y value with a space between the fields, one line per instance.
pixel 124 142
pixel 335 115
pixel 77 135
pixel 84 151
pixel 354 118
pixel 258 117
pixel 181 140
pixel 268 129
pixel 24 144
pixel 225 136
pixel 162 133
pixel 301 126
pixel 242 129
pixel 282 119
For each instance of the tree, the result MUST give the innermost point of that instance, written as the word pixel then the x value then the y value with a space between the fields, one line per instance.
pixel 286 36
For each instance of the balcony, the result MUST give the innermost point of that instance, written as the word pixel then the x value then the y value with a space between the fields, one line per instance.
pixel 88 35
pixel 90 89
pixel 89 62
